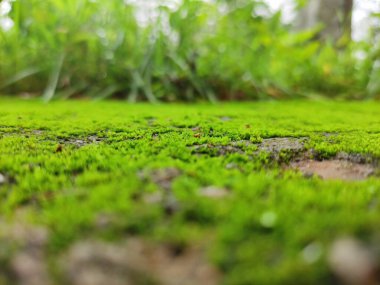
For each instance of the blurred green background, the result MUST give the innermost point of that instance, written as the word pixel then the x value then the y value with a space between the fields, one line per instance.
pixel 192 50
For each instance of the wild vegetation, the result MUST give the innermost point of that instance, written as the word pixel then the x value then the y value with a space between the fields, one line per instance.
pixel 222 178
pixel 201 50
pixel 263 192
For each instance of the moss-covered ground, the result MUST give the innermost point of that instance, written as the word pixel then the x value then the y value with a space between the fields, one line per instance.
pixel 191 174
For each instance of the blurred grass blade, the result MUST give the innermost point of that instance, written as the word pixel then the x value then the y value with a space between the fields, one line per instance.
pixel 195 81
pixel 132 96
pixel 20 76
pixel 147 88
pixel 107 92
pixel 54 78
pixel 144 84
pixel 69 92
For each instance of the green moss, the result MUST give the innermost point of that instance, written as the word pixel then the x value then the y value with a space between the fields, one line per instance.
pixel 69 163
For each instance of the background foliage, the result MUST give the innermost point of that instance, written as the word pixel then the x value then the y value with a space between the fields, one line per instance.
pixel 226 50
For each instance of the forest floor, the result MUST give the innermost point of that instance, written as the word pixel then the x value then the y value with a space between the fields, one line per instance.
pixel 240 193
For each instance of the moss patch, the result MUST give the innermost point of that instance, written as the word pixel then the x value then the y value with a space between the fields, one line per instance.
pixel 112 171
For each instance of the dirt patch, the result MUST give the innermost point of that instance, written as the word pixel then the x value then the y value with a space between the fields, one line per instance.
pixel 284 149
pixel 273 146
pixel 23 249
pixel 136 262
pixel 80 142
pixel 276 145
pixel 294 154
pixel 217 150
pixel 96 263
pixel 334 169
pixel 11 131
pixel 357 158
pixel 163 178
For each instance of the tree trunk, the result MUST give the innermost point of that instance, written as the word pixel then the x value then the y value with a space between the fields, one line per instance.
pixel 347 17
pixel 334 15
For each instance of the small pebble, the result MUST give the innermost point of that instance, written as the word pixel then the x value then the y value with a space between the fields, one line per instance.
pixel 214 192
pixel 312 252
pixel 2 179
pixel 268 219
pixel 231 166
pixel 225 118
pixel 353 262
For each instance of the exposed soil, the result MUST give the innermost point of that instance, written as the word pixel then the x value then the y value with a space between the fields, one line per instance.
pixel 357 158
pixel 343 166
pixel 26 258
pixel 285 148
pixel 273 146
pixel 276 145
pixel 79 142
pixel 131 262
pixel 163 178
pixel 334 169
pixel 136 262
pixel 218 150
